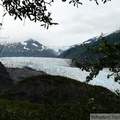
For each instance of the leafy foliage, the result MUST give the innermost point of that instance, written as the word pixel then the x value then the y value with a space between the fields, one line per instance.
pixel 35 10
pixel 17 110
pixel 104 1
pixel 110 58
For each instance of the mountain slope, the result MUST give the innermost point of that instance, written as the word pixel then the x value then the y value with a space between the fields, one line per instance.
pixel 47 88
pixel 29 48
pixel 59 98
pixel 79 51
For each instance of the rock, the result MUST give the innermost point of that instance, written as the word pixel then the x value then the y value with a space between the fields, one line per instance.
pixel 5 80
pixel 18 74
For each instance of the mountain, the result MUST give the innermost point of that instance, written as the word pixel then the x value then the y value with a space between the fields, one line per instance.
pixel 32 48
pixel 79 51
pixel 29 48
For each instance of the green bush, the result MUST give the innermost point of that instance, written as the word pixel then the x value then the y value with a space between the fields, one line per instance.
pixel 17 110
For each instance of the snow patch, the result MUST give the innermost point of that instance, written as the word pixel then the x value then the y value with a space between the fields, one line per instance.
pixel 35 44
pixel 24 43
pixel 26 48
pixel 42 48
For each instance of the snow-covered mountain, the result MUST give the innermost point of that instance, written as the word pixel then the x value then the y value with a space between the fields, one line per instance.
pixel 29 48
pixel 62 67
pixel 79 51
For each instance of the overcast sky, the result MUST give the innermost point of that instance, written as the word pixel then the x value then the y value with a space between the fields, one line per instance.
pixel 75 24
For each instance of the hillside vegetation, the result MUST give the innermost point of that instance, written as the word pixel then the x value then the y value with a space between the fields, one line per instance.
pixel 46 97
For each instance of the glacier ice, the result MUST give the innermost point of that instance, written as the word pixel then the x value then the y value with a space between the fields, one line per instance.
pixel 62 67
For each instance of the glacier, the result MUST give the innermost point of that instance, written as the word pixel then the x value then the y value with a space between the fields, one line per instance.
pixel 61 67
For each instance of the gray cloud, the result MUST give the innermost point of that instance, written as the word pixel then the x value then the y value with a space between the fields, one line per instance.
pixel 75 24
